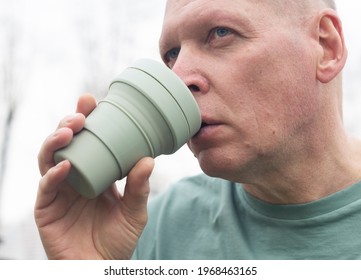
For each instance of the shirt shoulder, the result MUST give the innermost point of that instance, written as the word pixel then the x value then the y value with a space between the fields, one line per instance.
pixel 188 206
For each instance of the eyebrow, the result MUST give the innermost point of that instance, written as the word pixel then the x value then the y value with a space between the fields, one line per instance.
pixel 208 17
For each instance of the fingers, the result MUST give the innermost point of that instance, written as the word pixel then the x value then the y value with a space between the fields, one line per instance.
pixel 64 133
pixel 57 140
pixel 137 187
pixel 86 104
pixel 50 183
pixel 75 122
pixel 54 176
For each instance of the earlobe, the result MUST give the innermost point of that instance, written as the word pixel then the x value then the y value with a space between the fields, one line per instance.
pixel 333 56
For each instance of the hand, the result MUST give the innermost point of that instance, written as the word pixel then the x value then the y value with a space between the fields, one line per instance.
pixel 73 227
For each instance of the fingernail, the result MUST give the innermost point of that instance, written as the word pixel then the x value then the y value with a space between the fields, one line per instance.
pixel 60 164
pixel 59 131
pixel 69 119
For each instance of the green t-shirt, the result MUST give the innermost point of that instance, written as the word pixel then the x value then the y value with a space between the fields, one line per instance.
pixel 210 218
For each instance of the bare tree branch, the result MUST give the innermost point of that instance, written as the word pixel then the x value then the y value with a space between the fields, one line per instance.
pixel 9 93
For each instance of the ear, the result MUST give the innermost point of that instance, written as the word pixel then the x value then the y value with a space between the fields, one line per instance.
pixel 333 55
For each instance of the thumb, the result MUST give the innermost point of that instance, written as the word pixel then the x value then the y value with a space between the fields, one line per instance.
pixel 137 188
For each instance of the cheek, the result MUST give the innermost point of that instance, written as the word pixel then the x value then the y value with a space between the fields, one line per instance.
pixel 275 102
pixel 280 89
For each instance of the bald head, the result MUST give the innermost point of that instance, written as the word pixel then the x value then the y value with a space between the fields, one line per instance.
pixel 304 3
pixel 297 10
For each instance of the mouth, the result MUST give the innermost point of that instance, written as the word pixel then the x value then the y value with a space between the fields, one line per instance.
pixel 207 126
pixel 206 121
pixel 204 124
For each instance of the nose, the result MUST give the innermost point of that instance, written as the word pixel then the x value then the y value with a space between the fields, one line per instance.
pixel 189 68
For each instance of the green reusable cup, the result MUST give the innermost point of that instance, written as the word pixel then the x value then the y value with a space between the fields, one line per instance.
pixel 147 112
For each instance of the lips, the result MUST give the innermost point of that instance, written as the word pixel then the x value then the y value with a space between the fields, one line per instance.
pixel 207 126
pixel 207 121
pixel 204 124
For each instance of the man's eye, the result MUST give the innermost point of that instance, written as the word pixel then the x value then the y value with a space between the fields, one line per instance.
pixel 222 31
pixel 172 54
pixel 218 33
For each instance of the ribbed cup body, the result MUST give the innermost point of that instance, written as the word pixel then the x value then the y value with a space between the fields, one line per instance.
pixel 148 111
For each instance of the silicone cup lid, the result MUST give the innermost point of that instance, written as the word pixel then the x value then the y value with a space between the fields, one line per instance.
pixel 166 77
pixel 162 100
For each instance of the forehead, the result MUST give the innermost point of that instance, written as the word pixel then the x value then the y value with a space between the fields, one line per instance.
pixel 182 16
pixel 181 13
pixel 182 7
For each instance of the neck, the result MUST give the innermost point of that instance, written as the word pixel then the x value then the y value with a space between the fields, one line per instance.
pixel 324 164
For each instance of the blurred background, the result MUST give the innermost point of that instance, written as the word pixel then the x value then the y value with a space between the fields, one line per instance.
pixel 51 52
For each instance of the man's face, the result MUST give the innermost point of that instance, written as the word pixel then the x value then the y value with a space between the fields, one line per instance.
pixel 252 73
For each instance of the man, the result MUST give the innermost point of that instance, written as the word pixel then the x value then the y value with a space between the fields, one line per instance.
pixel 267 78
